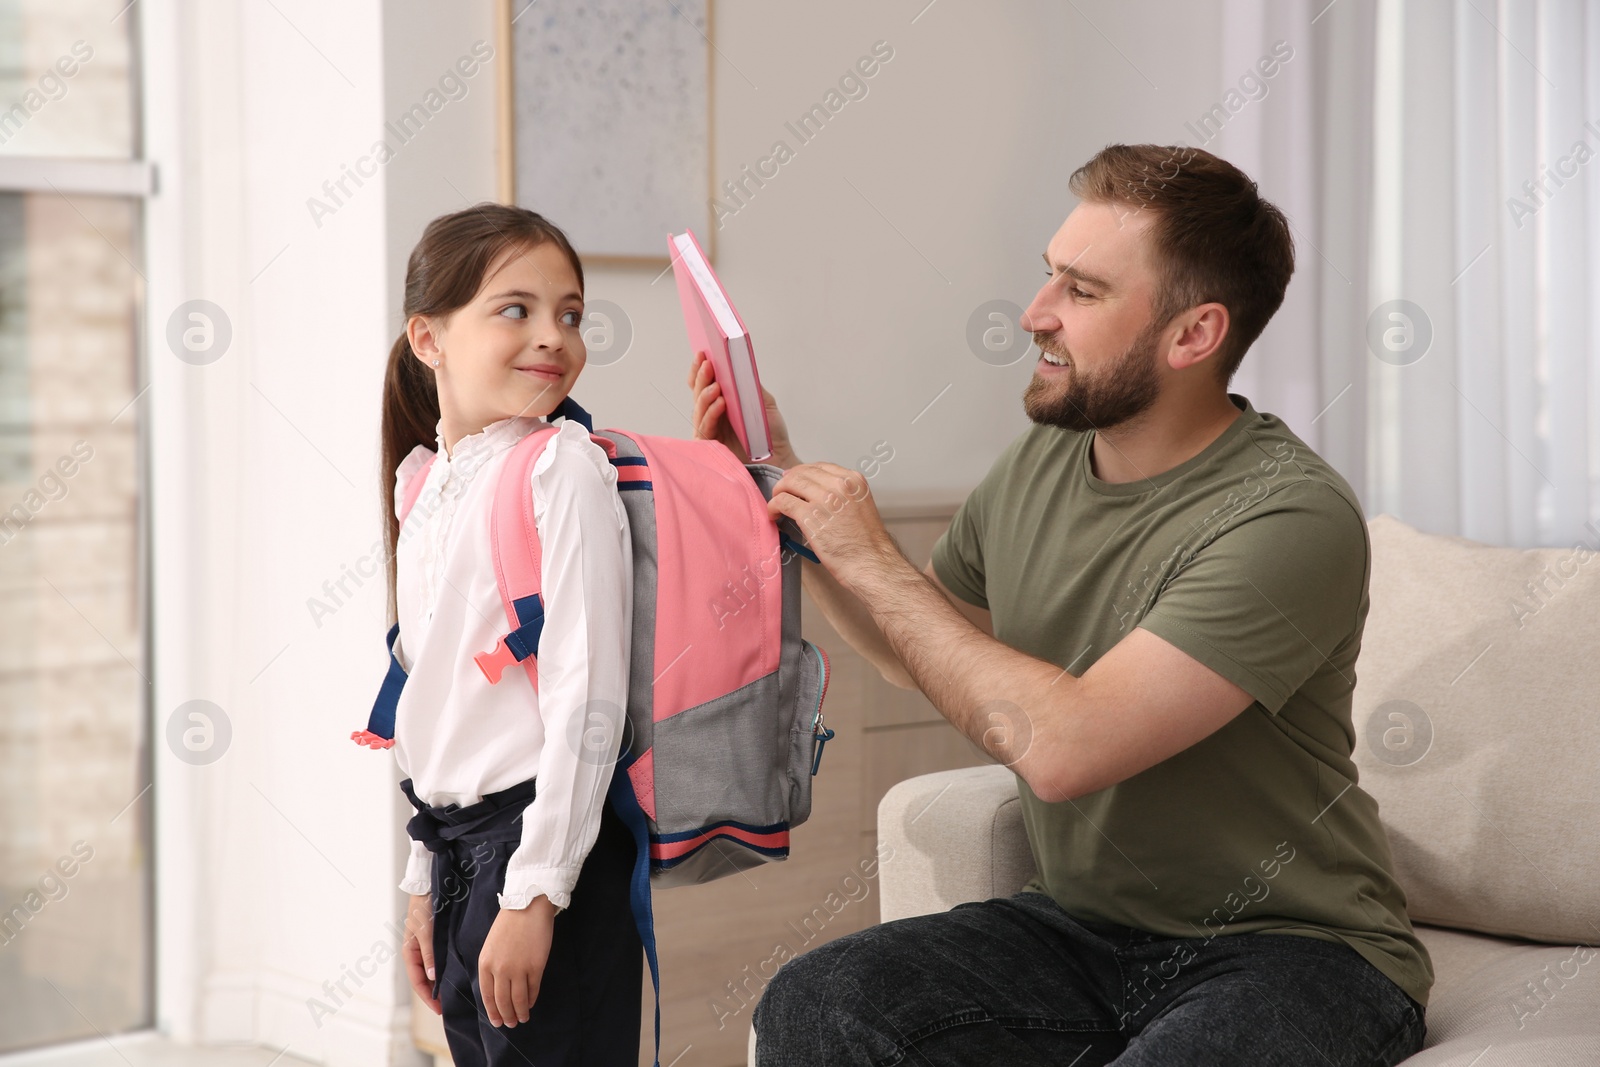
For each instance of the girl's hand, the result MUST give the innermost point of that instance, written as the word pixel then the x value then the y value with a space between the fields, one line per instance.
pixel 511 962
pixel 418 949
pixel 711 417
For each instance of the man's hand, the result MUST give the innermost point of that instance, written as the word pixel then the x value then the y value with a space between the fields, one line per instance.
pixel 711 417
pixel 834 509
pixel 418 949
pixel 511 963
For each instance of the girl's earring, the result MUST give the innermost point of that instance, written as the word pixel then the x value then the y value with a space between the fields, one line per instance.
pixel 435 363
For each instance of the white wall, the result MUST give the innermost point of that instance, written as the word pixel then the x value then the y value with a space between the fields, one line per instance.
pixel 276 863
pixel 857 267
pixel 859 298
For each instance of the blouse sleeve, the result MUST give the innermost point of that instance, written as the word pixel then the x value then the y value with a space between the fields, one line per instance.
pixel 418 880
pixel 587 576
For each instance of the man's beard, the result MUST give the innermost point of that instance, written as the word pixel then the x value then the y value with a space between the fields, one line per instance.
pixel 1079 403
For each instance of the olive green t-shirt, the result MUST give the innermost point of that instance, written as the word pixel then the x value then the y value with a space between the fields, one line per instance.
pixel 1251 557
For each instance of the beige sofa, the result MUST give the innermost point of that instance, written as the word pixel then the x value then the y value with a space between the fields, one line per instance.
pixel 1477 728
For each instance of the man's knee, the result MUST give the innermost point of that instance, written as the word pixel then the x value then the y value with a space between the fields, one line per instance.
pixel 827 981
pixel 801 981
pixel 812 1010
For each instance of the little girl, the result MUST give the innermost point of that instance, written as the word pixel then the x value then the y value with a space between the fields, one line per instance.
pixel 519 930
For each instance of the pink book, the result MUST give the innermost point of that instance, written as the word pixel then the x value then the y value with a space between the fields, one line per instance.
pixel 716 329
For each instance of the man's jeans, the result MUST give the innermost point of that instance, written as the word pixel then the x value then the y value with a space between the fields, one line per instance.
pixel 1017 981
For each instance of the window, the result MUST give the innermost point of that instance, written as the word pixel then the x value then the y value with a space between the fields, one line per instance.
pixel 75 884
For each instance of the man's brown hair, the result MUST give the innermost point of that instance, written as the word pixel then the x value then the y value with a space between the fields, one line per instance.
pixel 1212 235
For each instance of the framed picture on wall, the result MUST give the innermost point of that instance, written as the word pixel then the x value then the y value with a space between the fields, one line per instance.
pixel 605 121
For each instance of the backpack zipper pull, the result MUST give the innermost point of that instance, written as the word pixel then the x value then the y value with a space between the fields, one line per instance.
pixel 820 735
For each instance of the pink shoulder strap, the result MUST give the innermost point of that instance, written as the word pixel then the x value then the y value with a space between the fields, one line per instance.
pixel 514 538
pixel 514 546
pixel 414 488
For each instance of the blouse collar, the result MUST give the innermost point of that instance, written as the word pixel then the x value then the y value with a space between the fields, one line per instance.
pixel 487 441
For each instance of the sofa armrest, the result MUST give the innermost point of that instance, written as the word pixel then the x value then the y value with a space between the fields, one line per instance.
pixel 951 837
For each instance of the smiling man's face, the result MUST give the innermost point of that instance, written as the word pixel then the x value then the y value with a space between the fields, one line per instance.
pixel 1093 315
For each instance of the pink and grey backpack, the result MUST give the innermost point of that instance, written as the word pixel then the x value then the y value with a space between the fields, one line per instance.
pixel 724 726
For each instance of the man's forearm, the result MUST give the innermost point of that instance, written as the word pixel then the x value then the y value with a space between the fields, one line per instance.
pixel 846 614
pixel 990 692
pixel 1009 703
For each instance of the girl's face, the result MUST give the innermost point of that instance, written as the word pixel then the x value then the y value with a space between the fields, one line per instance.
pixel 515 349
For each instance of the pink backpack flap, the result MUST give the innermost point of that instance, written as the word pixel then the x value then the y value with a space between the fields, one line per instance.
pixel 724 725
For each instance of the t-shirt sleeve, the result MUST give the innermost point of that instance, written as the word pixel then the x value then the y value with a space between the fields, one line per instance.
pixel 958 553
pixel 1268 602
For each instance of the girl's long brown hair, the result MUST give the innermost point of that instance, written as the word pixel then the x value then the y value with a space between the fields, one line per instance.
pixel 444 273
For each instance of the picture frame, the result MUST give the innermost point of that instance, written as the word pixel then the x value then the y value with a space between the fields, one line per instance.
pixel 669 132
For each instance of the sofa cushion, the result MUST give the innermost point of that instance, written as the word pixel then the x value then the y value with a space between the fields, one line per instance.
pixel 1529 1003
pixel 1475 712
pixel 949 837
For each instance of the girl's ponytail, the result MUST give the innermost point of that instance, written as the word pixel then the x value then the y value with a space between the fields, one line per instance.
pixel 410 418
pixel 445 271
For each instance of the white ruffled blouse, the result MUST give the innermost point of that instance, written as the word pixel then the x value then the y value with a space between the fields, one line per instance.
pixel 456 736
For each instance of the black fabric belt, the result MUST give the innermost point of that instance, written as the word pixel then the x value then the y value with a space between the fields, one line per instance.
pixel 450 832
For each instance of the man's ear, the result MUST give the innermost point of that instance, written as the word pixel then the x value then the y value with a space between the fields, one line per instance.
pixel 424 342
pixel 1201 331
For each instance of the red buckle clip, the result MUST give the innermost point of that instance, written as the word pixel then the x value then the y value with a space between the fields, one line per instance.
pixel 372 740
pixel 494 662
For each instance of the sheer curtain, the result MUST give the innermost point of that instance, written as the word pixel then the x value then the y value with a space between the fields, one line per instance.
pixel 1440 164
